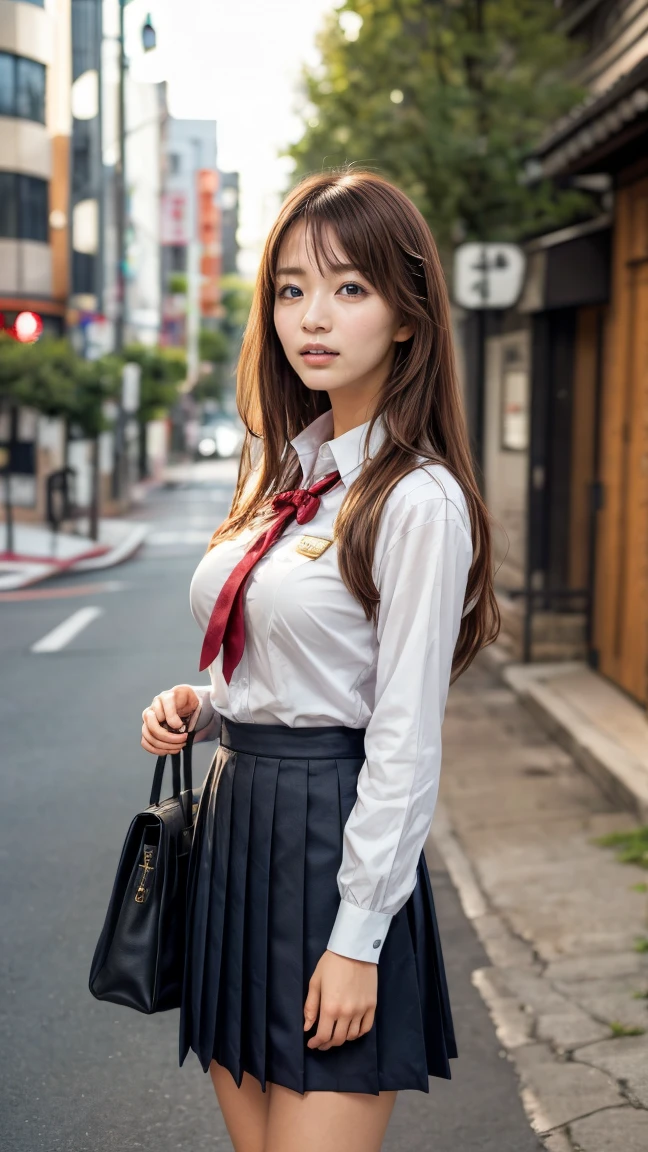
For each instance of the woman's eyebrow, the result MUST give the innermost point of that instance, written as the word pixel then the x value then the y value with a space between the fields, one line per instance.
pixel 301 272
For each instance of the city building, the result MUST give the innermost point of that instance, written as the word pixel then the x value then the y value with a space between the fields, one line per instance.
pixel 34 160
pixel 107 308
pixel 229 203
pixel 190 228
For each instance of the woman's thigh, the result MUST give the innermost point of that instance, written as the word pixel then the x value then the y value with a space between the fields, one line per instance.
pixel 245 1109
pixel 327 1121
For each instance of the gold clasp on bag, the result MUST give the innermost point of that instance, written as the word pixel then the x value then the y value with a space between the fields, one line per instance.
pixel 147 867
pixel 313 546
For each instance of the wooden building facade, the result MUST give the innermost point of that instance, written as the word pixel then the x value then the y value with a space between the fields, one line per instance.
pixel 576 515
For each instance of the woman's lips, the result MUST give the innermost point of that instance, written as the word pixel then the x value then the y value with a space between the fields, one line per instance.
pixel 318 359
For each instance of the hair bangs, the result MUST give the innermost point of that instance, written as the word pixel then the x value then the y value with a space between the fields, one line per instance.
pixel 343 228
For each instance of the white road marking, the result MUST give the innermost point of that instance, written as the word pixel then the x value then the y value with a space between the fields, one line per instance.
pixel 63 633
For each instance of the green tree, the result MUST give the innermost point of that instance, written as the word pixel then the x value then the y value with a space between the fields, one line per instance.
pixel 50 377
pixel 236 299
pixel 213 346
pixel 447 99
pixel 162 371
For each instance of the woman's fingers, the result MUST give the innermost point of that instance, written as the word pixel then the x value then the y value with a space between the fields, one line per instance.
pixel 160 748
pixel 155 729
pixel 163 727
pixel 170 708
pixel 367 1021
pixel 340 1033
pixel 355 1028
pixel 311 1006
pixel 325 1030
pixel 157 739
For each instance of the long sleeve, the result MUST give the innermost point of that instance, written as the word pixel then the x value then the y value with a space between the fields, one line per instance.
pixel 422 580
pixel 208 724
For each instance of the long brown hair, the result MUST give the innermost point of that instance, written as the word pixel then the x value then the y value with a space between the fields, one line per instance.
pixel 386 238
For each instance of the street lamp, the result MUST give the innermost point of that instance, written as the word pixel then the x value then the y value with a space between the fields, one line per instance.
pixel 148 41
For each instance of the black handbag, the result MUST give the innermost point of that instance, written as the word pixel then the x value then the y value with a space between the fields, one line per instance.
pixel 139 958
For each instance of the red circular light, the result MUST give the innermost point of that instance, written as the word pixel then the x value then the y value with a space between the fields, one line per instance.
pixel 27 327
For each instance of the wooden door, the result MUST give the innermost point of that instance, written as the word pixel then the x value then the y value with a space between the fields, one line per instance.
pixel 621 588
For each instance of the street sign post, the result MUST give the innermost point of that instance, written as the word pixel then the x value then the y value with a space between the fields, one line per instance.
pixel 488 275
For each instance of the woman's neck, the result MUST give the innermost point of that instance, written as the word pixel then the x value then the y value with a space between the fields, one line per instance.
pixel 350 413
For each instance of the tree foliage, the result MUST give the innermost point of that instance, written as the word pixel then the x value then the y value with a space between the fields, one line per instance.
pixel 213 346
pixel 447 98
pixel 163 369
pixel 50 377
pixel 236 299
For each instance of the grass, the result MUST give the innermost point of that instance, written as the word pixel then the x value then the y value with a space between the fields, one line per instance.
pixel 639 887
pixel 640 995
pixel 618 1030
pixel 631 847
pixel 641 944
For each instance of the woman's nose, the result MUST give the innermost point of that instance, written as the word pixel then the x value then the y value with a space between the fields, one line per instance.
pixel 316 318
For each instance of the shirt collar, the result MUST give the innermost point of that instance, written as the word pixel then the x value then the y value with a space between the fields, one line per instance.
pixel 319 453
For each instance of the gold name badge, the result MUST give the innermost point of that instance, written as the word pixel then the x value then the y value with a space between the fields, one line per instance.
pixel 313 546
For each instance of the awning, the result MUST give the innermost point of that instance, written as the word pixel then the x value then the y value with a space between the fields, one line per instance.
pixel 604 125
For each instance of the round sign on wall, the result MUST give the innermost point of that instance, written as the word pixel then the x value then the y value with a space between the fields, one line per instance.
pixel 488 275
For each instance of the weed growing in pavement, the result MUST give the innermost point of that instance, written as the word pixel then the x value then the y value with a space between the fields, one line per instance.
pixel 632 847
pixel 641 944
pixel 639 887
pixel 640 995
pixel 619 1030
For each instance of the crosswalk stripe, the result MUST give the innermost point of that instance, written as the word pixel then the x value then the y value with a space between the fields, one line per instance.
pixel 65 632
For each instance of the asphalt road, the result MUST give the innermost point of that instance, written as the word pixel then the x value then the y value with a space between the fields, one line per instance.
pixel 83 1076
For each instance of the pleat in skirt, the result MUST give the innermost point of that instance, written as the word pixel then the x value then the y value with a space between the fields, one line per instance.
pixel 262 902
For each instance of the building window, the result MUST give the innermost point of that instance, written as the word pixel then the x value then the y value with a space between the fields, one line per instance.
pixel 83 273
pixel 514 415
pixel 175 163
pixel 23 207
pixel 177 258
pixel 22 87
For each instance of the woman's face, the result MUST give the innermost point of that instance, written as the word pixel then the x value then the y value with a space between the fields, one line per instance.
pixel 336 331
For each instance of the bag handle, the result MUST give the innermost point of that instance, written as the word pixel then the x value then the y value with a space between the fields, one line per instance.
pixel 158 775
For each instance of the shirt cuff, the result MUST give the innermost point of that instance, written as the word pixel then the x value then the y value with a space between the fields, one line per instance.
pixel 207 726
pixel 358 932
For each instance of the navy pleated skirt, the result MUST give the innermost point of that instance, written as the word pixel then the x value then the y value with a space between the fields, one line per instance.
pixel 263 898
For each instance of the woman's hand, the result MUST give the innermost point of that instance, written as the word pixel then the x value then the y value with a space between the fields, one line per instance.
pixel 174 708
pixel 344 992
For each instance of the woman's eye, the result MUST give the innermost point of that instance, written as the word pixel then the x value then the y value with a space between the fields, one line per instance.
pixel 290 292
pixel 353 290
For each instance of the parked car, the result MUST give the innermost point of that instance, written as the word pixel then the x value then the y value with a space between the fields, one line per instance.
pixel 220 436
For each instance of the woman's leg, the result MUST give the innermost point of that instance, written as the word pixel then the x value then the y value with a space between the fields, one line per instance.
pixel 327 1121
pixel 245 1109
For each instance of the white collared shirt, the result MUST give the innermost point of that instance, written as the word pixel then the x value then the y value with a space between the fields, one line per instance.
pixel 312 658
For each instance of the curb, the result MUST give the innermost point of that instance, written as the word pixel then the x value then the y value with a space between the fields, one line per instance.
pixel 87 562
pixel 612 767
pixel 117 555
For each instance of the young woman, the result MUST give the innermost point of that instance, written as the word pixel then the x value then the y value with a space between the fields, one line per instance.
pixel 349 584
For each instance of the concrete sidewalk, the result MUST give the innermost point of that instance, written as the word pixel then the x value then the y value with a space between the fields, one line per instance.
pixel 563 923
pixel 39 554
pixel 603 729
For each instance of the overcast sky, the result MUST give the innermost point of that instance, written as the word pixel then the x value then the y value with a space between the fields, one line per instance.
pixel 239 61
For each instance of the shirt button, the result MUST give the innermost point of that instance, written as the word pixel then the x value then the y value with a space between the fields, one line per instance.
pixel 377 943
